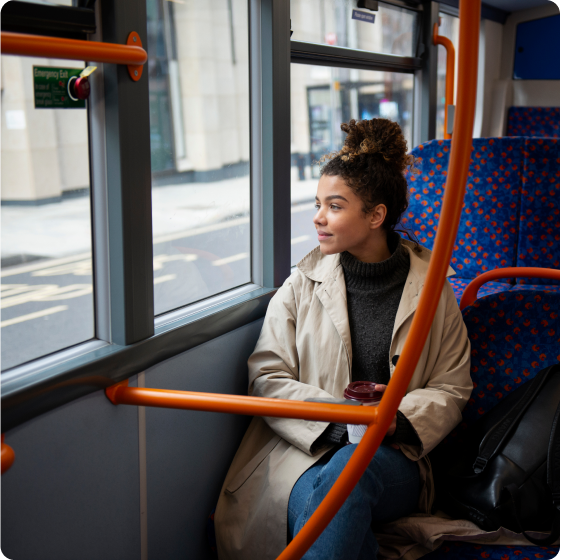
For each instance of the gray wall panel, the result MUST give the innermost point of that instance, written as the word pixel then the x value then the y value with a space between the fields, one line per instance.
pixel 188 453
pixel 73 490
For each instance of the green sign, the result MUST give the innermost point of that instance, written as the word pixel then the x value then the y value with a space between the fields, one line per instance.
pixel 51 88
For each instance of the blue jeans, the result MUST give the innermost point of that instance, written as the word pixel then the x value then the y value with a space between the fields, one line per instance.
pixel 388 489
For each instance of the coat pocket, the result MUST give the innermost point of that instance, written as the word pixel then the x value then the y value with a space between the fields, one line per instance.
pixel 248 470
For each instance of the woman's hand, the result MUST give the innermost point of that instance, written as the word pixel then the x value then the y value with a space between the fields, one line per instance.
pixel 391 430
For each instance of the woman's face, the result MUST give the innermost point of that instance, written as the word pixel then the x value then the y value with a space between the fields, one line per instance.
pixel 341 223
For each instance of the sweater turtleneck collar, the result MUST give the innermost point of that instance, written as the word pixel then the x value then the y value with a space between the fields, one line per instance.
pixel 372 275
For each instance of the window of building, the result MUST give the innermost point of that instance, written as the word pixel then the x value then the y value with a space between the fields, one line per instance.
pixel 322 98
pixel 46 296
pixel 390 29
pixel 450 28
pixel 199 126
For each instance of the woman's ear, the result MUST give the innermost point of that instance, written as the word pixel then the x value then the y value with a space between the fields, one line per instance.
pixel 377 216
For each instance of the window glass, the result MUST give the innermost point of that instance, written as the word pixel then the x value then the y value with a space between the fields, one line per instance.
pixel 199 127
pixel 450 28
pixel 330 22
pixel 321 99
pixel 46 297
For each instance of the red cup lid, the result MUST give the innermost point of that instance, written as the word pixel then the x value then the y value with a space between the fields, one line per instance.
pixel 363 391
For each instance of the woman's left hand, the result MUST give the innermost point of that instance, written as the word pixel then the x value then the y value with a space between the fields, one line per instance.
pixel 391 430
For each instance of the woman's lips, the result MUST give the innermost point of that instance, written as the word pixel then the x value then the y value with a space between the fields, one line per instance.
pixel 322 236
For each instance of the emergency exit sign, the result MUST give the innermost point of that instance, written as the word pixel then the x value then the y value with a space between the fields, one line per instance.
pixel 51 89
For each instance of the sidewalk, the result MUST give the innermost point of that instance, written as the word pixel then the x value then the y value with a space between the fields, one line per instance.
pixel 63 229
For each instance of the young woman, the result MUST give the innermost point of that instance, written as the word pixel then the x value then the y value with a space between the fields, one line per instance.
pixel 343 316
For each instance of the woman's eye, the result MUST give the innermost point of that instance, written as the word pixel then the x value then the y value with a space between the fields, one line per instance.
pixel 335 207
pixel 316 206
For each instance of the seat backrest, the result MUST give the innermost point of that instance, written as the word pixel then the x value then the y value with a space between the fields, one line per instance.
pixel 488 233
pixel 539 207
pixel 533 121
pixel 513 336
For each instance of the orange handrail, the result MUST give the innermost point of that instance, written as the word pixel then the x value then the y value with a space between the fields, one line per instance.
pixel 71 49
pixel 470 293
pixel 121 393
pixel 450 73
pixel 8 456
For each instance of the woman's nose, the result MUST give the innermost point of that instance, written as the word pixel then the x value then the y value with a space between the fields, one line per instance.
pixel 319 218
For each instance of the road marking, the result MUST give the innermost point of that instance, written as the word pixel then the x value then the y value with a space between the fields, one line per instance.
pixel 44 292
pixel 35 315
pixel 198 231
pixel 78 268
pixel 165 278
pixel 299 239
pixel 227 260
pixel 43 264
pixel 159 260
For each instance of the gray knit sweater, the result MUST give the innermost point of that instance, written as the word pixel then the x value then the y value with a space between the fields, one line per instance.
pixel 373 294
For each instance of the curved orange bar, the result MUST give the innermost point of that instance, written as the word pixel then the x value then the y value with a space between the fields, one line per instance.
pixel 121 393
pixel 71 49
pixel 450 72
pixel 444 243
pixel 8 456
pixel 470 293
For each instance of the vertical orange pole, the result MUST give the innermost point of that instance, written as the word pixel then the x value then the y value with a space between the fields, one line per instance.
pixel 444 243
pixel 450 73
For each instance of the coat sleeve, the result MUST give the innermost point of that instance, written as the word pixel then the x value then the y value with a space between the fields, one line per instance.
pixel 436 409
pixel 274 370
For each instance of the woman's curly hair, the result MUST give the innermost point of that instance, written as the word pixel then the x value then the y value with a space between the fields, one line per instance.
pixel 372 162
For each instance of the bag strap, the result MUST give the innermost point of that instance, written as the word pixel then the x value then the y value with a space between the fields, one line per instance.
pixel 499 433
pixel 553 460
pixel 552 482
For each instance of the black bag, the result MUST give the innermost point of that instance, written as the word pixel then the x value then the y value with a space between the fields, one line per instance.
pixel 505 470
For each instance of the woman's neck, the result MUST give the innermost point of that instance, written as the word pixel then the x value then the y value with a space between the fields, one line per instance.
pixel 376 250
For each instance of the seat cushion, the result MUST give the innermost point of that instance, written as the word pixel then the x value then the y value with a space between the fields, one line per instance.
pixel 539 208
pixel 468 551
pixel 536 287
pixel 460 284
pixel 533 121
pixel 488 233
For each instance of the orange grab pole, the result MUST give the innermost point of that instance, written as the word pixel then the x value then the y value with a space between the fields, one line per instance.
pixel 8 456
pixel 436 275
pixel 450 72
pixel 71 49
pixel 383 415
pixel 470 293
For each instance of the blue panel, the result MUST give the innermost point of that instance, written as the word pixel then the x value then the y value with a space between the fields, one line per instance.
pixel 536 55
pixel 73 490
pixel 188 452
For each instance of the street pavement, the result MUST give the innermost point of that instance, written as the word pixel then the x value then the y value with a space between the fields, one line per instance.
pixel 47 304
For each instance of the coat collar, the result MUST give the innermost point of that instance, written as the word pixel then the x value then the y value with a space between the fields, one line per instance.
pixel 319 267
pixel 332 292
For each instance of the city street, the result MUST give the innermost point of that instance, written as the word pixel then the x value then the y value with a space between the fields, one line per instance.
pixel 47 305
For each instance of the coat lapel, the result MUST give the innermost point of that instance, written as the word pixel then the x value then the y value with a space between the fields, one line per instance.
pixel 333 296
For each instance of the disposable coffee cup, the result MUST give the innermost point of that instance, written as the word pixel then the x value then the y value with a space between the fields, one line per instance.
pixel 365 393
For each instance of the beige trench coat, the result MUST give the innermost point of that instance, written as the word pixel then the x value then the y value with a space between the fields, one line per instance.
pixel 304 351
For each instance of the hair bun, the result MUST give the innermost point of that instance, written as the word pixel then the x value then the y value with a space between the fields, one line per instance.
pixel 376 137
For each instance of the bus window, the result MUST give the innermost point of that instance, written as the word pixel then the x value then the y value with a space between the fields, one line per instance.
pixel 321 99
pixel 199 127
pixel 46 297
pixel 390 29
